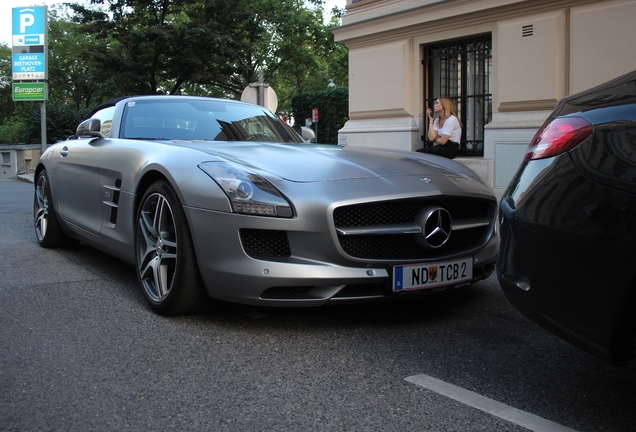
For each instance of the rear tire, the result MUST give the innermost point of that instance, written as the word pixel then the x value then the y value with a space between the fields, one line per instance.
pixel 167 268
pixel 47 228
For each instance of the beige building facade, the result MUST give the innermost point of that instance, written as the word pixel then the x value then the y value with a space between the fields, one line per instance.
pixel 531 53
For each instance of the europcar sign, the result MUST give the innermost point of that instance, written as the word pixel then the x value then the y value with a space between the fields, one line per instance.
pixel 29 91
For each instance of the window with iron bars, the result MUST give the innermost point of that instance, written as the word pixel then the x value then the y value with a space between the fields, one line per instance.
pixel 460 70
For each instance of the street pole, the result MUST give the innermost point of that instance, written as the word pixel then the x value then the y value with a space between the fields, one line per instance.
pixel 43 124
pixel 314 118
pixel 260 97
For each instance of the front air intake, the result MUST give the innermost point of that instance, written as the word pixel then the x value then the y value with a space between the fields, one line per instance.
pixel 265 243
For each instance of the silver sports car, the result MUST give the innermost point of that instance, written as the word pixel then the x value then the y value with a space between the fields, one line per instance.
pixel 218 199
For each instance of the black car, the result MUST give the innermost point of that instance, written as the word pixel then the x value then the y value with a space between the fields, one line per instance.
pixel 568 223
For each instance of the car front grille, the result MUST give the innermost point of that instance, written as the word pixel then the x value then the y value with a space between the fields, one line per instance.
pixel 393 246
pixel 478 215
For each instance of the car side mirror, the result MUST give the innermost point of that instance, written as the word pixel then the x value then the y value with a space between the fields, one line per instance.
pixel 308 134
pixel 90 128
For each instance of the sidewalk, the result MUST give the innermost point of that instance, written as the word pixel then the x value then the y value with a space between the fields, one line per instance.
pixel 26 177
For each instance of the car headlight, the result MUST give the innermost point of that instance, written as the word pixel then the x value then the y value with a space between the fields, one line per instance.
pixel 249 193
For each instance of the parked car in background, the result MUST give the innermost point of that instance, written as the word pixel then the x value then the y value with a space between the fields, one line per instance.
pixel 220 199
pixel 568 223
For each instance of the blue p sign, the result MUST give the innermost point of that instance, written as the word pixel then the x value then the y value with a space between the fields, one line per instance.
pixel 26 20
pixel 29 21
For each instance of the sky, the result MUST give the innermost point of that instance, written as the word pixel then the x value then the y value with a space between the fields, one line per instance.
pixel 6 7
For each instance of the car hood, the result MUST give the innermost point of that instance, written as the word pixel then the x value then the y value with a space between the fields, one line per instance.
pixel 311 163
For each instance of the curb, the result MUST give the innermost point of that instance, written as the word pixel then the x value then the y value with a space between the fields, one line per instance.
pixel 26 178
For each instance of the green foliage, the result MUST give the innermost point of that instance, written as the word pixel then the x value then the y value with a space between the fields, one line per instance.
pixel 61 121
pixel 75 76
pixel 317 60
pixel 6 96
pixel 333 110
pixel 171 45
pixel 10 131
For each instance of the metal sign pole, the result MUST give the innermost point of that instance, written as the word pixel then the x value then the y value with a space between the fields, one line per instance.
pixel 260 99
pixel 43 124
pixel 314 118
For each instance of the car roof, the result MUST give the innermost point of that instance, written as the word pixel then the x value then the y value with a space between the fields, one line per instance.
pixel 619 91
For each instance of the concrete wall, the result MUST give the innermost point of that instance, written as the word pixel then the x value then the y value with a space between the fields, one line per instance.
pixel 18 159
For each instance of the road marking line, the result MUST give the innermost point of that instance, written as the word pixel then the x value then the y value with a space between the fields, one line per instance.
pixel 475 400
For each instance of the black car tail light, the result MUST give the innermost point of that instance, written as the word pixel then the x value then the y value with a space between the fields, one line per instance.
pixel 557 136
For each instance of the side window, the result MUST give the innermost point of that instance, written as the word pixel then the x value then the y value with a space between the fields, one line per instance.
pixel 105 116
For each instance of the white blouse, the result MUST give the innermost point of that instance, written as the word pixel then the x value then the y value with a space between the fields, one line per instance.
pixel 451 128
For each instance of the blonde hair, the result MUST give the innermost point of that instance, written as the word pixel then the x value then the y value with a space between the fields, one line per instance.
pixel 449 108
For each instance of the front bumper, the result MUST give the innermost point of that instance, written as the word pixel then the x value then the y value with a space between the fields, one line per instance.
pixel 303 278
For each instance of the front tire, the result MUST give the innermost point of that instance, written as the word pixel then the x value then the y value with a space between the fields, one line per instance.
pixel 167 269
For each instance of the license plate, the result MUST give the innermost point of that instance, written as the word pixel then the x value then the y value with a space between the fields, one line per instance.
pixel 429 275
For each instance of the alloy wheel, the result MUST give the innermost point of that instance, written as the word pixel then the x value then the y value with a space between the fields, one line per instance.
pixel 156 247
pixel 41 208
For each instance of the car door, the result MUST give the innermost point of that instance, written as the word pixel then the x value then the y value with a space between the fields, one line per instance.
pixel 76 181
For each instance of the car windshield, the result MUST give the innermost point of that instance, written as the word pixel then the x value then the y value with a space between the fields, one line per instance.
pixel 204 120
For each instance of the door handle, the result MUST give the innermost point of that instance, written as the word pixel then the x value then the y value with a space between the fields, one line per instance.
pixel 64 151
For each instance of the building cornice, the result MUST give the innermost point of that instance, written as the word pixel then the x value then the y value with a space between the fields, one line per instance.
pixel 440 16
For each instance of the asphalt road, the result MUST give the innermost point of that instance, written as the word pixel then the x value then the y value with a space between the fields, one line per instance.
pixel 80 350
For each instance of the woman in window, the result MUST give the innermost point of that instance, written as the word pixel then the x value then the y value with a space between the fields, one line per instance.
pixel 445 131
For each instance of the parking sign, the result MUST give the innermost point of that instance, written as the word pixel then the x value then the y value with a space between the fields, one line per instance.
pixel 30 47
pixel 29 25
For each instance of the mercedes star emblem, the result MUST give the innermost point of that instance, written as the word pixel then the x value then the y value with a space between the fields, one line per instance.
pixel 436 224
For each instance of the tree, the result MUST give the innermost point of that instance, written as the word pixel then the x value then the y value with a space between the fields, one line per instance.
pixel 6 92
pixel 203 47
pixel 138 40
pixel 61 121
pixel 318 60
pixel 75 76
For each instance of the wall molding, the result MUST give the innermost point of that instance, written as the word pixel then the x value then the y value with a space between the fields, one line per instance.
pixel 534 105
